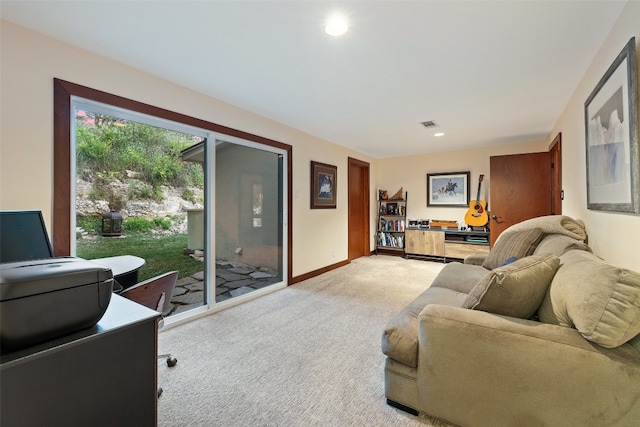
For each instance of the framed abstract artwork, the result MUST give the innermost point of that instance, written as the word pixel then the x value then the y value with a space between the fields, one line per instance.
pixel 611 129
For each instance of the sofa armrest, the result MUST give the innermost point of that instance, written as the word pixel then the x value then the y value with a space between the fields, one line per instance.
pixel 475 259
pixel 514 369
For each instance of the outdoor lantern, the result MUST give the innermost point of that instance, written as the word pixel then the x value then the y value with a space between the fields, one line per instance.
pixel 112 224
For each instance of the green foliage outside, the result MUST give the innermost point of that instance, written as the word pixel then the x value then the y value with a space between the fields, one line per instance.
pixel 130 225
pixel 143 225
pixel 107 148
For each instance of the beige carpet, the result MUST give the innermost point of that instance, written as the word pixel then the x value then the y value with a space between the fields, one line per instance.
pixel 307 355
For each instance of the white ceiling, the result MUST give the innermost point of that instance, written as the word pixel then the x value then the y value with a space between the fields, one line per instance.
pixel 488 72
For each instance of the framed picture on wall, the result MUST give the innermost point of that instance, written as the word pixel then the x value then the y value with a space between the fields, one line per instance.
pixel 448 189
pixel 323 185
pixel 611 129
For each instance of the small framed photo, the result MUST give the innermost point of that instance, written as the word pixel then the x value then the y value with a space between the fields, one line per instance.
pixel 448 189
pixel 392 209
pixel 324 180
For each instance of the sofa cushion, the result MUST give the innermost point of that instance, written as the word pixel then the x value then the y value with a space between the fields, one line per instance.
pixel 400 336
pixel 601 301
pixel 517 244
pixel 558 244
pixel 553 224
pixel 515 290
pixel 459 277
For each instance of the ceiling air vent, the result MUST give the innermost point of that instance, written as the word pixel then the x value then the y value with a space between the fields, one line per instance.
pixel 430 124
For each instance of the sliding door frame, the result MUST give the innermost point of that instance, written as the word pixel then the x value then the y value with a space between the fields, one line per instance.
pixel 63 91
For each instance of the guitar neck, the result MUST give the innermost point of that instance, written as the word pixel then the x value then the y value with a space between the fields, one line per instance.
pixel 479 185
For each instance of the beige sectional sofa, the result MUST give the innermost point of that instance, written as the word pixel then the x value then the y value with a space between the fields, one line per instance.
pixel 550 338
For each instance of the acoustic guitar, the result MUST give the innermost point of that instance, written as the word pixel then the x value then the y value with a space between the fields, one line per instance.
pixel 477 215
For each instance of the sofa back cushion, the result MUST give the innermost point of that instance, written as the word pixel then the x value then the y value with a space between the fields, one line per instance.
pixel 601 301
pixel 517 244
pixel 516 289
pixel 459 277
pixel 558 244
pixel 553 224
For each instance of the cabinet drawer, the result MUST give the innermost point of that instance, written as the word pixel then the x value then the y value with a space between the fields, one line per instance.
pixel 460 250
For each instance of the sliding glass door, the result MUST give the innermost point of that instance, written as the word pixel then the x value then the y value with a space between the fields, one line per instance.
pixel 249 200
pixel 248 216
pixel 210 205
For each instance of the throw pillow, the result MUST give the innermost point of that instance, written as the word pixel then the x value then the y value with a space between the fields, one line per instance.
pixel 598 299
pixel 517 244
pixel 508 261
pixel 515 290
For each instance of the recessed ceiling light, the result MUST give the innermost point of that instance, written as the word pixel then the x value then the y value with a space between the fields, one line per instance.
pixel 439 134
pixel 337 25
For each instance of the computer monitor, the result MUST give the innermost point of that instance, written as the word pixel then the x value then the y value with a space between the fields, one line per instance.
pixel 23 236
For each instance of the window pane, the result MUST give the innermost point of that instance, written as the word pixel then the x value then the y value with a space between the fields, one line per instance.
pixel 248 219
pixel 133 195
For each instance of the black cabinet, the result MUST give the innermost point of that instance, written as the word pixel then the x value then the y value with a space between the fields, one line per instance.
pixel 102 376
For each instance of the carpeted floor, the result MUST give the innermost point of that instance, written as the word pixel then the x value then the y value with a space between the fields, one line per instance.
pixel 307 355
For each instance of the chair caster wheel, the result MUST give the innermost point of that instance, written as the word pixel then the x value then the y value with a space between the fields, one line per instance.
pixel 159 391
pixel 171 361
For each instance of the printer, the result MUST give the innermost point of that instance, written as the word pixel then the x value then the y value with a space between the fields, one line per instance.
pixel 43 299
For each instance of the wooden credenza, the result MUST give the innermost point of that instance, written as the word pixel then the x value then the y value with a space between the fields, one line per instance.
pixel 101 376
pixel 445 244
pixel 424 242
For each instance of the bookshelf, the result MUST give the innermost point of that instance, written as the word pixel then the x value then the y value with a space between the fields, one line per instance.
pixel 392 217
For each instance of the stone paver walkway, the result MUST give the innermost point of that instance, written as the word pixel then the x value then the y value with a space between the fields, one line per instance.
pixel 232 280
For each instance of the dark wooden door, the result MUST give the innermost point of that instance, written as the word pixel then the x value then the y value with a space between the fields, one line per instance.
pixel 358 209
pixel 556 175
pixel 520 189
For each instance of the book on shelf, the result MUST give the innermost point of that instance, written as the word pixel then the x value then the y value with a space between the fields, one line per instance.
pixel 391 225
pixel 390 240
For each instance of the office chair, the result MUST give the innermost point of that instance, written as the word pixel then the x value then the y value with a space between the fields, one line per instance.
pixel 155 293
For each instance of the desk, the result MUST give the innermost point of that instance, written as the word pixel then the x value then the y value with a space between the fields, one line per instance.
pixel 124 268
pixel 105 375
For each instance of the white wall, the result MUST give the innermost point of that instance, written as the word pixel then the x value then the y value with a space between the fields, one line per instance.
pixel 613 236
pixel 29 63
pixel 410 172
